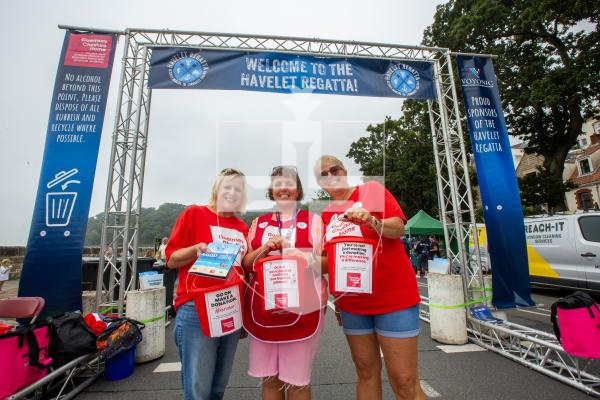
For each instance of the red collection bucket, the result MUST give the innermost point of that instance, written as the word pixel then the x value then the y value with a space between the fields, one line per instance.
pixel 219 307
pixel 281 280
pixel 352 264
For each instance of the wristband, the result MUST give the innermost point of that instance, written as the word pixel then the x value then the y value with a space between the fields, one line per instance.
pixel 375 223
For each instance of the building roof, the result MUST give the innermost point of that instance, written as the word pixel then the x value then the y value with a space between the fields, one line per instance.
pixel 589 178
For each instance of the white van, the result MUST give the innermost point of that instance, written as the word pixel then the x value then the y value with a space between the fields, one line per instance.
pixel 563 250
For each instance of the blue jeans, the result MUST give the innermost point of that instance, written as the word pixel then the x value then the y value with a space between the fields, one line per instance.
pixel 205 362
pixel 396 324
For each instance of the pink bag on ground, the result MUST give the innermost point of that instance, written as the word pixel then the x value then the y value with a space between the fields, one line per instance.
pixel 576 321
pixel 25 358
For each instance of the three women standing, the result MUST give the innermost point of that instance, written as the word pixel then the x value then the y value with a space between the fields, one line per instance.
pixel 283 344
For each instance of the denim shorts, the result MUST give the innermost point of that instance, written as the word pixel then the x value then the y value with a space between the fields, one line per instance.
pixel 397 324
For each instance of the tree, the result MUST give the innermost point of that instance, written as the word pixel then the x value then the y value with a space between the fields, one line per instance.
pixel 547 66
pixel 542 188
pixel 401 151
pixel 154 223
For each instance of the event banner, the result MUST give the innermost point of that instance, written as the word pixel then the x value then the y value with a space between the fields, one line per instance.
pixel 497 183
pixel 52 265
pixel 178 68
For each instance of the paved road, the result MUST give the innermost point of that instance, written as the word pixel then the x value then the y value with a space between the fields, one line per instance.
pixel 467 372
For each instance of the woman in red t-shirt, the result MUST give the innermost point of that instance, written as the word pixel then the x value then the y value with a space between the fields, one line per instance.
pixel 387 318
pixel 206 361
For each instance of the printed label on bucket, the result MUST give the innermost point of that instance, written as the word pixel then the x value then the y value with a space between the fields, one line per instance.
pixel 227 325
pixel 281 284
pixel 353 279
pixel 223 308
pixel 354 267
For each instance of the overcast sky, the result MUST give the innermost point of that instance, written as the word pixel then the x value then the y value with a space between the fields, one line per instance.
pixel 192 133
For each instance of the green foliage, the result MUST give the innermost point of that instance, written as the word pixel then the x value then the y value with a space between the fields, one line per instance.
pixel 548 68
pixel 154 223
pixel 401 151
pixel 543 188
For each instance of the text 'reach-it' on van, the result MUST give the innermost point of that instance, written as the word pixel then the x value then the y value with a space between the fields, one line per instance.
pixel 563 250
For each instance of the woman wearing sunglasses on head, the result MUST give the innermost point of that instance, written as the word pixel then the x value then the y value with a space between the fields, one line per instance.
pixel 206 361
pixel 283 343
pixel 387 318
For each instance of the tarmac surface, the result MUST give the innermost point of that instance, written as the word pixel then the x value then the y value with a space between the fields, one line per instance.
pixel 447 372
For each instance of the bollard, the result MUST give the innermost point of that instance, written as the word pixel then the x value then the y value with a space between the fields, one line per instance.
pixel 447 316
pixel 487 280
pixel 148 307
pixel 88 302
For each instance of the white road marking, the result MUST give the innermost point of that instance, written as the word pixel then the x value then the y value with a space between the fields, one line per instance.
pixel 460 349
pixel 533 312
pixel 168 367
pixel 422 284
pixel 429 391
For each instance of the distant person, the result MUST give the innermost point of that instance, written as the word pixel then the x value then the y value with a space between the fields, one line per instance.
pixel 434 251
pixel 406 245
pixel 5 268
pixel 422 249
pixel 161 249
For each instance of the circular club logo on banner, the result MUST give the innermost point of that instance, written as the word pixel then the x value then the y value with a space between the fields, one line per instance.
pixel 402 79
pixel 187 69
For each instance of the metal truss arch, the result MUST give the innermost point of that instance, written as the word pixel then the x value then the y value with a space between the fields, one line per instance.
pixel 119 240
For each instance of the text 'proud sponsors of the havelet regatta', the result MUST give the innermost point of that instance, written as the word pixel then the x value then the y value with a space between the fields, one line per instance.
pixel 497 180
pixel 351 257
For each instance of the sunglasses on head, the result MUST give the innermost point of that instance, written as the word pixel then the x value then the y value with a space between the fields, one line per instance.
pixel 278 169
pixel 334 170
pixel 231 171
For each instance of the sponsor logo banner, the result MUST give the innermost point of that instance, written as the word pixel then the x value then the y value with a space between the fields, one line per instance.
pixel 497 182
pixel 52 265
pixel 177 68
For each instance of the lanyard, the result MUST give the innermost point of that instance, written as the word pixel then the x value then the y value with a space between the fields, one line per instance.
pixel 288 237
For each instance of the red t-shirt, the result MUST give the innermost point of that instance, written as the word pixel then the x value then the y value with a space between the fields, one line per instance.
pixel 395 285
pixel 199 224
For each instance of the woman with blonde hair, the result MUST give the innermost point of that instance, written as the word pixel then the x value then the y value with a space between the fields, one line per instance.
pixel 388 318
pixel 206 362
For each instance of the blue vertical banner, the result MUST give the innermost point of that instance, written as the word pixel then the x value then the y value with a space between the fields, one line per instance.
pixel 497 183
pixel 52 265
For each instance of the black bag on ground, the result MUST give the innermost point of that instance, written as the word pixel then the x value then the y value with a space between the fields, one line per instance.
pixel 71 338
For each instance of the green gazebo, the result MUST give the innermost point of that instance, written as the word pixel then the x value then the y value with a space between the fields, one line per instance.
pixel 423 224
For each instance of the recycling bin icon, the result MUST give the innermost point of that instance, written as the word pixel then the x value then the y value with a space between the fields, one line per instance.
pixel 59 207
